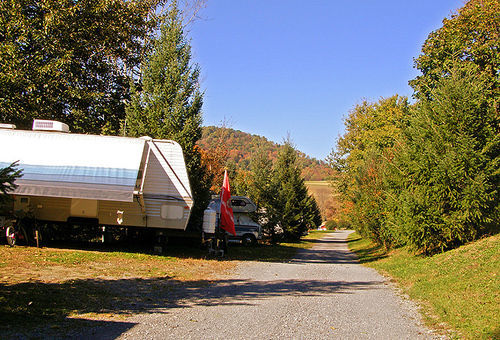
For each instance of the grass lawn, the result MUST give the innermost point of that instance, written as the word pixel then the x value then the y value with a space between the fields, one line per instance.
pixel 458 289
pixel 46 287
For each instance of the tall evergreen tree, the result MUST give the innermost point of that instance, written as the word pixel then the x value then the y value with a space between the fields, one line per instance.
pixel 167 104
pixel 281 195
pixel 262 191
pixel 293 206
pixel 452 162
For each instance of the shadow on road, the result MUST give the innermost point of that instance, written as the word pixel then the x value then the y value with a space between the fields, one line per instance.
pixel 326 256
pixel 40 309
pixel 326 241
pixel 43 309
pixel 68 328
pixel 328 250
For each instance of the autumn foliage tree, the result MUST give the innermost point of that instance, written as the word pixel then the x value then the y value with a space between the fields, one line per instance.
pixel 214 157
pixel 364 158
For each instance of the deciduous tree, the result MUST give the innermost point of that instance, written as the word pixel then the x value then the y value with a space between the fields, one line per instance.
pixel 471 36
pixel 68 60
pixel 364 156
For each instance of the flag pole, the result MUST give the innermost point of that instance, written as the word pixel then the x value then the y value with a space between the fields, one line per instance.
pixel 218 230
pixel 221 235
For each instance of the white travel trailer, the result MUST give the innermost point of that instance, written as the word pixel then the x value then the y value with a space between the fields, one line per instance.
pixel 106 180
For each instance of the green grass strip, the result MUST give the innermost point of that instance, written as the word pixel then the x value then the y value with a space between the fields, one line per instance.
pixel 460 288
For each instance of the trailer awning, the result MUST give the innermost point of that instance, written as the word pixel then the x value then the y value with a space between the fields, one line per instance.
pixel 73 165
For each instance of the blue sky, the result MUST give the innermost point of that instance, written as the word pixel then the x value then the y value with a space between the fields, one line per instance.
pixel 279 67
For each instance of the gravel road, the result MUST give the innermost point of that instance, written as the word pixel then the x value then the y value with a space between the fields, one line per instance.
pixel 322 294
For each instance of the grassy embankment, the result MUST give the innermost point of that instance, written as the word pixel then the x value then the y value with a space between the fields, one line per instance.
pixel 458 289
pixel 60 288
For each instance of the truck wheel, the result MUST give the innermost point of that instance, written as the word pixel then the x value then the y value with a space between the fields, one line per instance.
pixel 10 234
pixel 248 240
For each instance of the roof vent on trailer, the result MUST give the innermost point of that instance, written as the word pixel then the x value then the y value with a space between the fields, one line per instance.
pixel 49 125
pixel 7 126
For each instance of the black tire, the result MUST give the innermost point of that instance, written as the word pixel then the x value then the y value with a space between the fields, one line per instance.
pixel 162 240
pixel 107 237
pixel 24 238
pixel 25 232
pixel 10 234
pixel 248 240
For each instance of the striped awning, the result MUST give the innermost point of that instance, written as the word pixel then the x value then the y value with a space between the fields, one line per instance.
pixel 73 165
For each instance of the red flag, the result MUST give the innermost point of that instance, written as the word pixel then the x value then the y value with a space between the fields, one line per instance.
pixel 226 212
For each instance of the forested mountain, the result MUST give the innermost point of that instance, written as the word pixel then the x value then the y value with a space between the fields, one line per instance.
pixel 241 146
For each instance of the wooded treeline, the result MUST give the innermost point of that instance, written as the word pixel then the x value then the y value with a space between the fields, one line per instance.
pixel 123 67
pixel 426 173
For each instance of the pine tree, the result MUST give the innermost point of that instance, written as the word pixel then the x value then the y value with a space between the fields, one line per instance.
pixel 8 176
pixel 167 104
pixel 262 191
pixel 451 164
pixel 293 205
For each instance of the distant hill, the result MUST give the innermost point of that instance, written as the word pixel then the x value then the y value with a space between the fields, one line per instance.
pixel 242 145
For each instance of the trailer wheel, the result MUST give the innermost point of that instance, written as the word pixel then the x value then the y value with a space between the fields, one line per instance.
pixel 248 240
pixel 23 236
pixel 23 231
pixel 10 234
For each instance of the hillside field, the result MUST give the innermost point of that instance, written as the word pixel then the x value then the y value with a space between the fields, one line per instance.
pixel 325 197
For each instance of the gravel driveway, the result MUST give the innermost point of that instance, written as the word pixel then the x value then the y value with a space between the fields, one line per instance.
pixel 322 293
